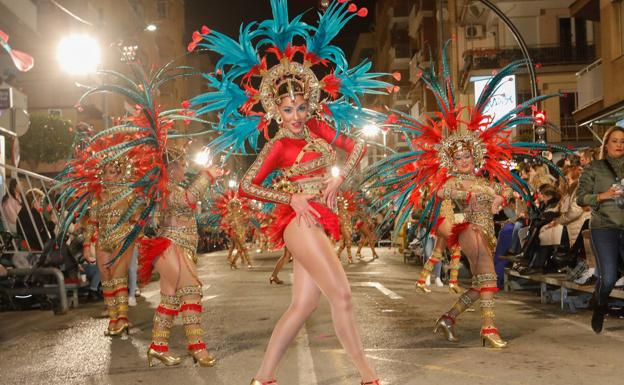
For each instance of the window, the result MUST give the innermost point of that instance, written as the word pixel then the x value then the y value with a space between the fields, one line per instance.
pixel 617 44
pixel 55 113
pixel 161 8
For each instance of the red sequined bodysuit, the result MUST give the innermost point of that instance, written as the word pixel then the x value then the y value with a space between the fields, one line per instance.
pixel 303 161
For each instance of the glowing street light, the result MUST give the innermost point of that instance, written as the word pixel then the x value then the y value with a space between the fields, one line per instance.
pixel 202 158
pixel 370 130
pixel 151 27
pixel 79 54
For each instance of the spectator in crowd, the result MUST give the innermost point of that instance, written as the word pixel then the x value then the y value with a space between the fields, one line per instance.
pixel 37 231
pixel 587 156
pixel 539 175
pixel 12 204
pixel 548 197
pixel 600 188
pixel 573 217
pixel 93 276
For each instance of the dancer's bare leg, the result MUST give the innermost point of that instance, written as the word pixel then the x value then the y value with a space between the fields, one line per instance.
pixel 313 251
pixel 305 298
pixel 278 267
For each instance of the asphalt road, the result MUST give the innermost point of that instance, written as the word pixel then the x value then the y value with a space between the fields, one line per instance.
pixel 240 309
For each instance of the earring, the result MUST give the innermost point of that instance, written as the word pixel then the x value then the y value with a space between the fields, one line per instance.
pixel 279 120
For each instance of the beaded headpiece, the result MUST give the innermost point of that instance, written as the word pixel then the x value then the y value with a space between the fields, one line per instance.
pixel 297 49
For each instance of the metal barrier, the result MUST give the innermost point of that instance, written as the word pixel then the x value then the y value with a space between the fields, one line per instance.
pixel 31 217
pixel 30 226
pixel 60 289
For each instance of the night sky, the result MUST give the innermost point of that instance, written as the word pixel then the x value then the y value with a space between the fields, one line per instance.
pixel 226 17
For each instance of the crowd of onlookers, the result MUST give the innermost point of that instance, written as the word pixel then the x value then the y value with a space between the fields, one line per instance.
pixel 552 236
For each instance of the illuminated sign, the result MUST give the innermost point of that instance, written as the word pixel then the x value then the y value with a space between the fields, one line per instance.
pixel 502 100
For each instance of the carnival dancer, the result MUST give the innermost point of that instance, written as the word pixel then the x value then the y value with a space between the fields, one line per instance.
pixel 366 227
pixel 279 265
pixel 465 160
pixel 303 149
pixel 145 140
pixel 173 253
pixel 346 209
pixel 99 189
pixel 235 223
pixel 101 228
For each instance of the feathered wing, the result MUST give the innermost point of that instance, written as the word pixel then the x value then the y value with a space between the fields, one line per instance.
pixel 140 139
pixel 409 181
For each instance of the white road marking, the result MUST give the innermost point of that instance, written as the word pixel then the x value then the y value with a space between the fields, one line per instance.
pixel 307 375
pixel 589 329
pixel 381 288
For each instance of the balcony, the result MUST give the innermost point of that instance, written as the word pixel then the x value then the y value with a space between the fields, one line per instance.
pixel 399 13
pixel 589 84
pixel 479 59
pixel 417 14
pixel 400 54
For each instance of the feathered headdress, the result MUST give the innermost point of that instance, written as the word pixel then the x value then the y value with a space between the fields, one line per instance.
pixel 402 178
pixel 298 48
pixel 139 142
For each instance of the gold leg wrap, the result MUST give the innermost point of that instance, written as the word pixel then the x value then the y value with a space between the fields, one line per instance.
pixel 161 331
pixel 191 309
pixel 489 332
pixel 454 271
pixel 487 289
pixel 163 321
pixel 436 256
pixel 120 286
pixel 110 300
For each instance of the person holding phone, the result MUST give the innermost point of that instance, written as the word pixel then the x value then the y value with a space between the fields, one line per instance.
pixel 600 187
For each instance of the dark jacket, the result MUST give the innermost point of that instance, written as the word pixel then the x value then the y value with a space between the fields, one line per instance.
pixel 598 177
pixel 29 230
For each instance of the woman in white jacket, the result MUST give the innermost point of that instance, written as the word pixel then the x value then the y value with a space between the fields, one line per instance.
pixel 574 217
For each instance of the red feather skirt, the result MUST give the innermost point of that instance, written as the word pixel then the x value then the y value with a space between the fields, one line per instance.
pixel 283 214
pixel 459 228
pixel 149 250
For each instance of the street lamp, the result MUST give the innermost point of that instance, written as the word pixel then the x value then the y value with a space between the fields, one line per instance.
pixel 151 27
pixel 79 54
pixel 370 130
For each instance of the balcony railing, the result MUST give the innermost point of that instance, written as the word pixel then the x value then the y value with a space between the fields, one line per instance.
pixel 572 132
pixel 543 55
pixel 589 84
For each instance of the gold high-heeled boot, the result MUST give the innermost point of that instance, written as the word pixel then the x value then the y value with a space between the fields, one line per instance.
pixel 191 308
pixel 446 323
pixel 454 272
pixel 426 271
pixel 161 331
pixel 448 320
pixel 489 333
pixel 110 301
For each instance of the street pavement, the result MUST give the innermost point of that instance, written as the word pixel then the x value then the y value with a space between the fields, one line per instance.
pixel 546 346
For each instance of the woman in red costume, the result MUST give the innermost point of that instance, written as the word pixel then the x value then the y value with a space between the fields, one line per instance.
pixel 303 220
pixel 302 151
